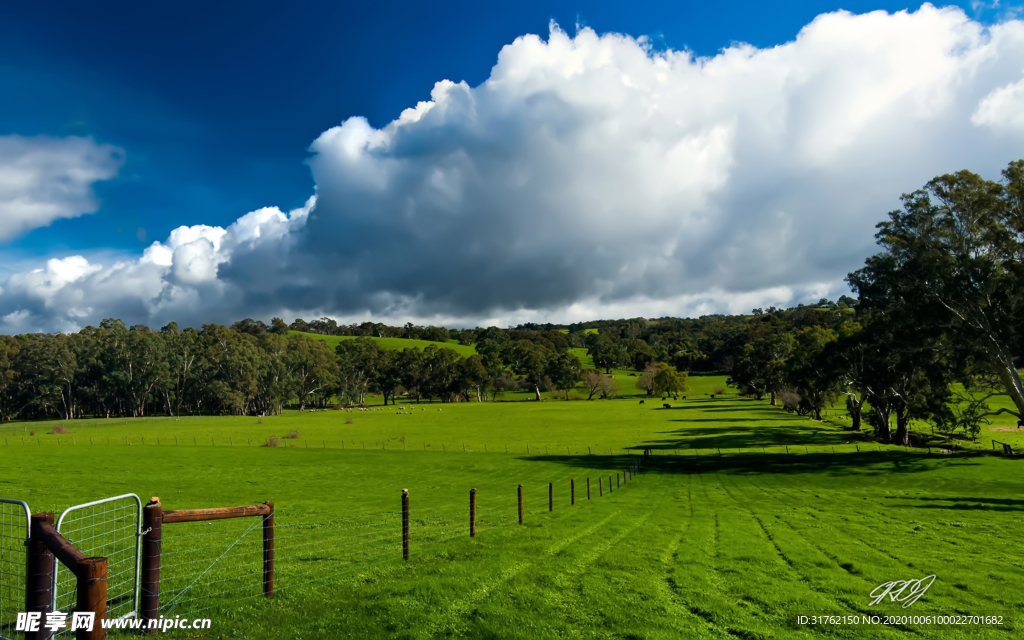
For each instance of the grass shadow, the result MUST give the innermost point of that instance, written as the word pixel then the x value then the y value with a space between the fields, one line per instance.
pixel 961 503
pixel 868 463
pixel 744 437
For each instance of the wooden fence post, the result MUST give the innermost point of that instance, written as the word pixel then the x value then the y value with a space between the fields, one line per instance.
pixel 472 513
pixel 600 487
pixel 551 496
pixel 610 484
pixel 588 488
pixel 39 578
pixel 92 596
pixel 572 491
pixel 405 524
pixel 152 526
pixel 268 552
pixel 520 504
pixel 617 484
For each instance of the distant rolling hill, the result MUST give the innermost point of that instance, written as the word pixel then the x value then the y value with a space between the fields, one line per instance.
pixel 403 343
pixel 399 344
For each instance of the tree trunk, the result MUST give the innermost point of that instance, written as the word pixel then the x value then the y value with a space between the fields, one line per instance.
pixel 536 391
pixel 882 429
pixel 855 407
pixel 1012 382
pixel 902 428
pixel 773 399
pixel 817 414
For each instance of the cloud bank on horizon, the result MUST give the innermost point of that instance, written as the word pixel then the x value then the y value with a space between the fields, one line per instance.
pixel 590 176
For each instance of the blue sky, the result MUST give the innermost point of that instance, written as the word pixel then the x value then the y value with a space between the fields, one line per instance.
pixel 215 105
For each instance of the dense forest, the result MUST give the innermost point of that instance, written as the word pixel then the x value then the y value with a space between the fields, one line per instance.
pixel 933 334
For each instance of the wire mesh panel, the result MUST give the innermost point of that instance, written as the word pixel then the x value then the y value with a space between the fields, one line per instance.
pixel 109 528
pixel 210 563
pixel 314 547
pixel 14 534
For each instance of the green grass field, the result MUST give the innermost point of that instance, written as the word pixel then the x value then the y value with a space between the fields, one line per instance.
pixel 744 518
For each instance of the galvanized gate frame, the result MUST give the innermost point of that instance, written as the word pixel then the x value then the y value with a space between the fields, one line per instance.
pixel 28 535
pixel 138 547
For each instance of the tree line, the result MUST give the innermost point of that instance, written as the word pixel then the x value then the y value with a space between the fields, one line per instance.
pixel 933 334
pixel 936 332
pixel 251 368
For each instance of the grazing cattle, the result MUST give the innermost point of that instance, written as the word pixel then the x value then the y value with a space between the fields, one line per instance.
pixel 641 402
pixel 712 396
pixel 666 406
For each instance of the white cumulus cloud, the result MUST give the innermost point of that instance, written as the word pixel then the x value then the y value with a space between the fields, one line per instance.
pixel 593 176
pixel 176 279
pixel 1003 108
pixel 43 179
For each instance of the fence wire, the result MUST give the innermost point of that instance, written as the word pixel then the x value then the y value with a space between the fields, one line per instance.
pixel 218 564
pixel 215 565
pixel 216 559
pixel 107 528
pixel 14 534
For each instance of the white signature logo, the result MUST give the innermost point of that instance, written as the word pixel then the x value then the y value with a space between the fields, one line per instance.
pixel 905 591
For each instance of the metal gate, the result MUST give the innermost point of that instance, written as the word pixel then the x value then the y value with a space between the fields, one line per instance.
pixel 110 528
pixel 15 522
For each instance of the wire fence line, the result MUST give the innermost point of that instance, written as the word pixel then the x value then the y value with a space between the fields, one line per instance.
pixel 216 564
pixel 288 442
pixel 849 445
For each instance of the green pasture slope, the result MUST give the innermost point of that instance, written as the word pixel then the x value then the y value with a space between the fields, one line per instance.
pixel 743 519
pixel 394 343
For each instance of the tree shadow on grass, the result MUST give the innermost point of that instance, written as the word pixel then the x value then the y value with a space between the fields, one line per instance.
pixel 870 463
pixel 742 410
pixel 749 437
pixel 733 420
pixel 960 503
